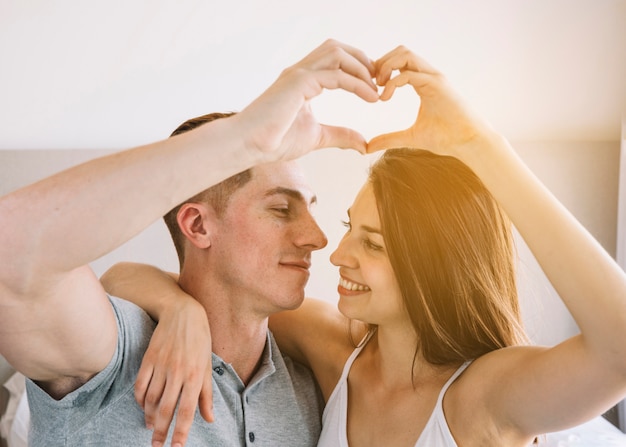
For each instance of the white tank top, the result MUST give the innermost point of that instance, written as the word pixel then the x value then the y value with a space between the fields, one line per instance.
pixel 335 417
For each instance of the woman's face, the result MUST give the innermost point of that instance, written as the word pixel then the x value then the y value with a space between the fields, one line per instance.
pixel 368 290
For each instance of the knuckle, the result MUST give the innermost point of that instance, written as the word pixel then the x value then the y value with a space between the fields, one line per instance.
pixel 194 374
pixel 152 398
pixel 165 410
pixel 159 434
pixel 185 412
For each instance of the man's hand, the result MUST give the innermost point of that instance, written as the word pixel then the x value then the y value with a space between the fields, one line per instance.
pixel 280 122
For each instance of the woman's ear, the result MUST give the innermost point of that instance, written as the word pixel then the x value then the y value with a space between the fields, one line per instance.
pixel 195 222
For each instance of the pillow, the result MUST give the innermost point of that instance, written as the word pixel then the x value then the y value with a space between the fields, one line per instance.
pixel 15 386
pixel 18 436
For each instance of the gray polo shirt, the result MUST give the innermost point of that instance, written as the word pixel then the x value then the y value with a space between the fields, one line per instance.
pixel 281 406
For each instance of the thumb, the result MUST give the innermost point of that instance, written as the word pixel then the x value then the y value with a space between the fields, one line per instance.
pixel 342 137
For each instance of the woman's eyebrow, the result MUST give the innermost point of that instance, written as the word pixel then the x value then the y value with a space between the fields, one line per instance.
pixel 367 228
pixel 370 229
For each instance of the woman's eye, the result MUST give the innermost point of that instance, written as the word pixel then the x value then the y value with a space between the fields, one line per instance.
pixel 371 245
pixel 346 224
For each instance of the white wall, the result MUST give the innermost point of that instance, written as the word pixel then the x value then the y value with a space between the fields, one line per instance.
pixel 583 175
pixel 117 73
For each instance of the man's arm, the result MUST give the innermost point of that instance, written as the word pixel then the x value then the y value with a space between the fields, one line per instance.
pixel 56 324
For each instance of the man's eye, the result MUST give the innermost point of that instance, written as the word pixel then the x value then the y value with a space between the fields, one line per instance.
pixel 346 224
pixel 282 211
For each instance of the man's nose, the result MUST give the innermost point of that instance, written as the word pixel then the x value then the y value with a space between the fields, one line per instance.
pixel 311 235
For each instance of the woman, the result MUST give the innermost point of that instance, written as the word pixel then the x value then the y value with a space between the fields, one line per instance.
pixel 428 265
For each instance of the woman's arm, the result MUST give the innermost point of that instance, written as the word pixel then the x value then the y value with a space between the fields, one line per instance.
pixel 177 363
pixel 319 336
pixel 529 390
pixel 315 334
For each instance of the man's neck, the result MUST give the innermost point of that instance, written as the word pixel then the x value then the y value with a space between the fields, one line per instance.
pixel 238 336
pixel 239 343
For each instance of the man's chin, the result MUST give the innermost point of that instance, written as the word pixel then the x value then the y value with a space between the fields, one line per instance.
pixel 292 302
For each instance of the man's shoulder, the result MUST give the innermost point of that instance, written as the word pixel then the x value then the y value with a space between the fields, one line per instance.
pixel 130 315
pixel 300 374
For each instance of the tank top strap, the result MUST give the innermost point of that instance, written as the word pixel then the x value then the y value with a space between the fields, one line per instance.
pixel 354 355
pixel 451 380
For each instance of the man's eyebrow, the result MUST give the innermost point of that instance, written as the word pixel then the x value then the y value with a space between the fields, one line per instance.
pixel 293 193
pixel 367 228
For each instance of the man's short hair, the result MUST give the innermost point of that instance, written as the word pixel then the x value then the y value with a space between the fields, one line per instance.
pixel 217 195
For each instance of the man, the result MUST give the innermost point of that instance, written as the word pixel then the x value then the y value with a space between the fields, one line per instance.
pixel 81 349
pixel 244 248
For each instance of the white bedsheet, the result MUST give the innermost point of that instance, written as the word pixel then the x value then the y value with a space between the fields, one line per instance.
pixel 597 432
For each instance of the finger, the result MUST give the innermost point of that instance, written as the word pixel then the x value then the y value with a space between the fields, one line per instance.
pixel 350 59
pixel 420 81
pixel 165 408
pixel 397 59
pixel 144 376
pixel 186 412
pixel 359 55
pixel 401 59
pixel 338 79
pixel 388 141
pixel 206 396
pixel 342 137
pixel 153 397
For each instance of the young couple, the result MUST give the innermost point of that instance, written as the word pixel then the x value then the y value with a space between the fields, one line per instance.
pixel 427 285
pixel 426 346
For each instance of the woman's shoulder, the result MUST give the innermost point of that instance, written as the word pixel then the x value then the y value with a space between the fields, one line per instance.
pixel 474 398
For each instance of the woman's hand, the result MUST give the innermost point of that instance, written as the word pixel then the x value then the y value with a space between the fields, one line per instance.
pixel 176 368
pixel 444 124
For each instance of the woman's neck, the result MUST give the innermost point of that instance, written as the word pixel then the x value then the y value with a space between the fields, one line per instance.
pixel 394 353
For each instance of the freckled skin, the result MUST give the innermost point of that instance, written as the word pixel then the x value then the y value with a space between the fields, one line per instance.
pixel 271 218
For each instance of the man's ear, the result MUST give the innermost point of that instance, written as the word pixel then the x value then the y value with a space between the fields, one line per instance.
pixel 196 222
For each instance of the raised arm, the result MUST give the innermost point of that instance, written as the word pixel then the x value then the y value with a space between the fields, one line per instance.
pixel 51 230
pixel 530 390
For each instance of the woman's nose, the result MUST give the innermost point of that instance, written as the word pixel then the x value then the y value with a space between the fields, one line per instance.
pixel 341 255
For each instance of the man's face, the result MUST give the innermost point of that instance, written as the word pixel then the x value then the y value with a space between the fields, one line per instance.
pixel 263 241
